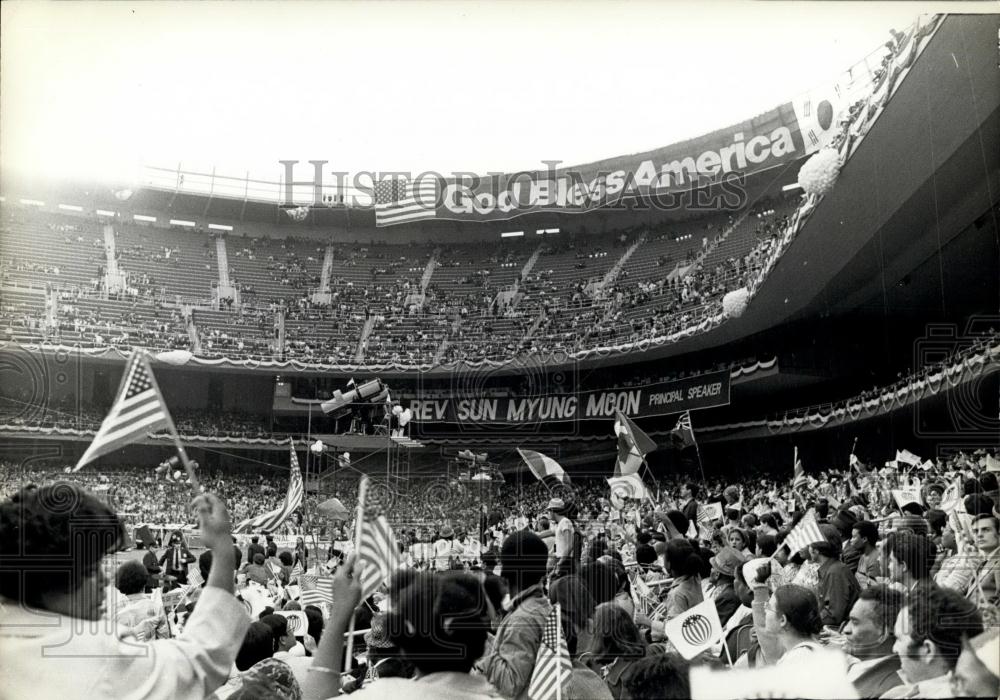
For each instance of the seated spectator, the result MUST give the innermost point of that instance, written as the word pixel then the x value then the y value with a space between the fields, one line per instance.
pixel 257 571
pixel 102 665
pixel 873 666
pixel 787 623
pixel 977 674
pixel 615 646
pixel 510 661
pixel 269 678
pixel 910 558
pixel 838 588
pixel 439 621
pixel 929 633
pixel 577 607
pixel 657 677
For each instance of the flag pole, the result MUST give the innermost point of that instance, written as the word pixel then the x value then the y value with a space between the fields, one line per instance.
pixel 697 450
pixel 559 681
pixel 192 477
pixel 362 493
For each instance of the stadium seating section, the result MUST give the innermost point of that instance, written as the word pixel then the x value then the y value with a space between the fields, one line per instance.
pixel 401 304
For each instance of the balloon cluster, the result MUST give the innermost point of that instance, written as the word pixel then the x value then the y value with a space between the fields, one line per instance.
pixel 735 302
pixel 298 214
pixel 403 415
pixel 173 471
pixel 819 174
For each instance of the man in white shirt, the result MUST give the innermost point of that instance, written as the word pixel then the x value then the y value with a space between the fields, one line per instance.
pixel 55 641
pixel 446 549
pixel 567 554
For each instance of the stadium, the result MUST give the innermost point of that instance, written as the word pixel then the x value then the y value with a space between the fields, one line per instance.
pixel 807 297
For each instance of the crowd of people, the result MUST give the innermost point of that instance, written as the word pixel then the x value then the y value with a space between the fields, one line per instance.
pixel 553 308
pixel 893 572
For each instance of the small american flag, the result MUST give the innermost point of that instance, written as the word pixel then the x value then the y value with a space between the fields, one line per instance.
pixel 138 410
pixel 270 520
pixel 552 663
pixel 799 477
pixel 807 532
pixel 379 553
pixel 398 201
pixel 316 590
pixel 296 570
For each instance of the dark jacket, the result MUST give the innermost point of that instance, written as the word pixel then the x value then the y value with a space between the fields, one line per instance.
pixel 690 511
pixel 837 590
pixel 726 601
pixel 252 550
pixel 879 678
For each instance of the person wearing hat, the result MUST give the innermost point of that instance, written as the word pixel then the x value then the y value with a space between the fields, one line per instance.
pixel 723 576
pixel 567 540
pixel 838 588
pixel 384 659
pixel 447 550
pixel 508 665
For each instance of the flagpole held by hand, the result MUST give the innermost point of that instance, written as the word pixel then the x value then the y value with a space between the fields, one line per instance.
pixel 192 477
pixel 362 493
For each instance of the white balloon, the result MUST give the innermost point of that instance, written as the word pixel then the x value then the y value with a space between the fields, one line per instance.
pixel 397 409
pixel 175 357
pixel 405 417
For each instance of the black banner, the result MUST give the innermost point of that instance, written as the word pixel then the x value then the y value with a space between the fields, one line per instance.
pixel 665 398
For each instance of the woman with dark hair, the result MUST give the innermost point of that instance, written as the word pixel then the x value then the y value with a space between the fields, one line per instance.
pixel 438 621
pixel 684 565
pixel 63 528
pixel 301 554
pixel 615 645
pixel 787 624
pixel 576 608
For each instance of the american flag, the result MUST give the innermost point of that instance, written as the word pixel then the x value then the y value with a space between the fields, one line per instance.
pixel 552 664
pixel 799 476
pixel 138 411
pixel 296 570
pixel 807 532
pixel 379 553
pixel 683 432
pixel 293 499
pixel 398 201
pixel 316 590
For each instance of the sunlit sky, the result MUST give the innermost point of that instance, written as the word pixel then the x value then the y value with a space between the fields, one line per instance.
pixel 94 90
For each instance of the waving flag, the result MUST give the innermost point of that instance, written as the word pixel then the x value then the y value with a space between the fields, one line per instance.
pixel 398 201
pixel 316 590
pixel 545 469
pixel 552 663
pixel 269 521
pixel 799 474
pixel 695 630
pixel 633 446
pixel 623 487
pixel 379 553
pixel 683 433
pixel 138 410
pixel 807 532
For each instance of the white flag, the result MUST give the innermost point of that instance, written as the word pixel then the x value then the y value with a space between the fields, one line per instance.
pixel 907 457
pixel 695 630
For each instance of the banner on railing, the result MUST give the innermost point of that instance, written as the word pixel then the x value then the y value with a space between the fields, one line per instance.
pixel 660 399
